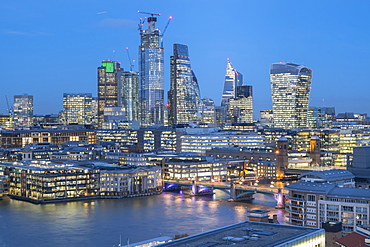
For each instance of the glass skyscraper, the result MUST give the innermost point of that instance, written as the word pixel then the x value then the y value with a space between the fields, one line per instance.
pixel 232 79
pixel 23 110
pixel 151 75
pixel 184 95
pixel 290 89
pixel 108 76
pixel 128 94
pixel 77 108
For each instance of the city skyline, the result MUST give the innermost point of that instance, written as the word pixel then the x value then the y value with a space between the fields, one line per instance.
pixel 60 45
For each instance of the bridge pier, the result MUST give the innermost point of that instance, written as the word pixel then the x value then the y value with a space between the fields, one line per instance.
pixel 280 199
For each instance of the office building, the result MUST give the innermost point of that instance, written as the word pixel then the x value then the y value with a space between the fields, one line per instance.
pixel 151 74
pixel 77 108
pixel 49 181
pixel 23 110
pixel 266 118
pixel 108 76
pixel 19 138
pixel 290 88
pixel 321 117
pixel 241 106
pixel 128 94
pixel 232 79
pixel 199 142
pixel 208 112
pixel 184 94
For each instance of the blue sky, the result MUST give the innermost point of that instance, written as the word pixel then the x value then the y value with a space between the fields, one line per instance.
pixel 53 47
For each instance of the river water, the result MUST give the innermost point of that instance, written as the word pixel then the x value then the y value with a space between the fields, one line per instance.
pixel 102 222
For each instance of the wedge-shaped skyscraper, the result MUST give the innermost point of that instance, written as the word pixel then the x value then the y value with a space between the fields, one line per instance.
pixel 184 95
pixel 290 88
pixel 232 79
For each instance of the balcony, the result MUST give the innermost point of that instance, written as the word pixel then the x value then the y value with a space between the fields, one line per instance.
pixel 295 198
pixel 296 217
pixel 295 211
pixel 295 205
pixel 295 223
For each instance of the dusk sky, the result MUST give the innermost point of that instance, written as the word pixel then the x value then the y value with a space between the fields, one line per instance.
pixel 53 47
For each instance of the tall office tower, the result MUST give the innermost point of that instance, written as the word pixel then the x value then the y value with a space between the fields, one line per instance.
pixel 290 88
pixel 184 95
pixel 128 94
pixel 241 107
pixel 232 79
pixel 23 110
pixel 208 112
pixel 151 75
pixel 77 108
pixel 108 76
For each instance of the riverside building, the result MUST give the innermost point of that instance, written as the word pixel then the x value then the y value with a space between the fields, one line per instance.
pixel 323 196
pixel 47 181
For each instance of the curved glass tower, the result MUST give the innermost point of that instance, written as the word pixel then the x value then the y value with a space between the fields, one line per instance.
pixel 232 79
pixel 290 88
pixel 184 95
pixel 151 78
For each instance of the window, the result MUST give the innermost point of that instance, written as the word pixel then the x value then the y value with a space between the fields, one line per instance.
pixel 311 198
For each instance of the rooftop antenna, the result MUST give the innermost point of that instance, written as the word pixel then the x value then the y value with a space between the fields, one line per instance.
pixel 129 59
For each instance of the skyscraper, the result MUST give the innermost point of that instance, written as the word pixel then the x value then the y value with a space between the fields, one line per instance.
pixel 184 94
pixel 77 108
pixel 23 110
pixel 208 112
pixel 241 107
pixel 108 76
pixel 232 79
pixel 151 75
pixel 290 88
pixel 128 94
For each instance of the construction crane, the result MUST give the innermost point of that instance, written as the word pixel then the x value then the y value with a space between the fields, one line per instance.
pixel 10 112
pixel 147 13
pixel 165 28
pixel 129 59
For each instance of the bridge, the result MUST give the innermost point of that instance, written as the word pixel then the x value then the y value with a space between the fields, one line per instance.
pixel 237 192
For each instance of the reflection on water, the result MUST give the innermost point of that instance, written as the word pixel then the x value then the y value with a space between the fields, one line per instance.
pixel 101 222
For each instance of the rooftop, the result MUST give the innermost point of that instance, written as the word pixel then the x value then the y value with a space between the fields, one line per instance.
pixel 245 233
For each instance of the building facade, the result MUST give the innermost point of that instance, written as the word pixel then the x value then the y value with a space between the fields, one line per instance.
pixel 151 74
pixel 108 76
pixel 290 88
pixel 241 107
pixel 23 110
pixel 128 94
pixel 208 112
pixel 232 79
pixel 184 95
pixel 77 108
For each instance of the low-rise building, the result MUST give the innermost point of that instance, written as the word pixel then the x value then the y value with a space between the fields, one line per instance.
pixel 328 196
pixel 249 233
pixel 46 181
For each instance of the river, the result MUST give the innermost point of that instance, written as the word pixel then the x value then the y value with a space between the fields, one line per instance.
pixel 102 222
